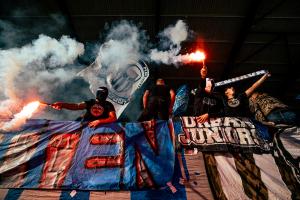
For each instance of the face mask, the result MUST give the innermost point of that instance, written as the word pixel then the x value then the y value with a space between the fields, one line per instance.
pixel 101 94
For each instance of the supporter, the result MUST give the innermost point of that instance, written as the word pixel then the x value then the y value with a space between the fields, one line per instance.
pixel 207 103
pixel 237 105
pixel 98 111
pixel 158 102
pixel 271 111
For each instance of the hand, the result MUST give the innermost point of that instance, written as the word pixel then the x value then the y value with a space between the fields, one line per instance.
pixel 202 118
pixel 94 124
pixel 57 105
pixel 270 123
pixel 268 74
pixel 203 72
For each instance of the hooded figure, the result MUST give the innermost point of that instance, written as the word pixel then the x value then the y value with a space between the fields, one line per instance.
pixel 102 94
pixel 98 111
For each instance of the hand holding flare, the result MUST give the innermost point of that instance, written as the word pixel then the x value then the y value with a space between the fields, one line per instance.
pixel 199 56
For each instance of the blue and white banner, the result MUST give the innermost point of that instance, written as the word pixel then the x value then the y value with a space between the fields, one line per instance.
pixel 56 154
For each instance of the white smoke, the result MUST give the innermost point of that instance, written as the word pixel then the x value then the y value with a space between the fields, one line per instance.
pixel 35 70
pixel 123 45
pixel 126 43
pixel 39 68
pixel 171 37
pixel 176 34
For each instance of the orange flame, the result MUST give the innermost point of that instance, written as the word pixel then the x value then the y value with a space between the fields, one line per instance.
pixel 28 110
pixel 198 56
pixel 21 117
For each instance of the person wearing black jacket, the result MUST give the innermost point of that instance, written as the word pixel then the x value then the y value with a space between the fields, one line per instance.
pixel 237 105
pixel 158 102
pixel 207 104
pixel 98 111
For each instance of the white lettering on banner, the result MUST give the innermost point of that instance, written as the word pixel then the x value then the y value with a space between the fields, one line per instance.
pixel 196 136
pixel 188 122
pixel 13 165
pixel 231 135
pixel 245 136
pixel 227 130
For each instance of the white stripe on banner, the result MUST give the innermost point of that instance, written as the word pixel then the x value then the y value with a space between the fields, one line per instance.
pixel 230 179
pixel 271 177
pixel 124 195
pixel 3 193
pixel 198 186
pixel 290 138
pixel 40 194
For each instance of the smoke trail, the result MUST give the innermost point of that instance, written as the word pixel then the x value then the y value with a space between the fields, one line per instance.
pixel 119 64
pixel 171 37
pixel 35 70
pixel 125 43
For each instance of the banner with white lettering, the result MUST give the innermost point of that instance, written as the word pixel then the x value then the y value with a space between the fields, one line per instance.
pixel 220 134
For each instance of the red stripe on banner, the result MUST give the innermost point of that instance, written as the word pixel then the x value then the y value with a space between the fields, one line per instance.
pixel 104 161
pixel 107 138
pixel 143 175
pixel 150 134
pixel 172 132
pixel 107 161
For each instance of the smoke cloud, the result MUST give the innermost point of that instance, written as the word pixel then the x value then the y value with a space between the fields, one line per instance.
pixel 124 44
pixel 170 38
pixel 35 70
pixel 46 68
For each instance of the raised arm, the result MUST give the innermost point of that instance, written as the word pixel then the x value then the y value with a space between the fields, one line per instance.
pixel 203 72
pixel 145 98
pixel 69 106
pixel 172 100
pixel 258 83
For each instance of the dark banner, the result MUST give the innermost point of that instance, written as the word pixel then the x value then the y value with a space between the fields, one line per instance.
pixel 221 134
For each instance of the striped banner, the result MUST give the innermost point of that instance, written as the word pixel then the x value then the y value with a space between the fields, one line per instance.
pixel 196 175
pixel 239 78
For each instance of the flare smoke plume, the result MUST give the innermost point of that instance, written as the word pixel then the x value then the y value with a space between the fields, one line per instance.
pixel 35 69
pixel 171 37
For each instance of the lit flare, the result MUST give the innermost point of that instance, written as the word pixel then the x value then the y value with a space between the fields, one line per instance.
pixel 197 56
pixel 20 118
pixel 28 110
